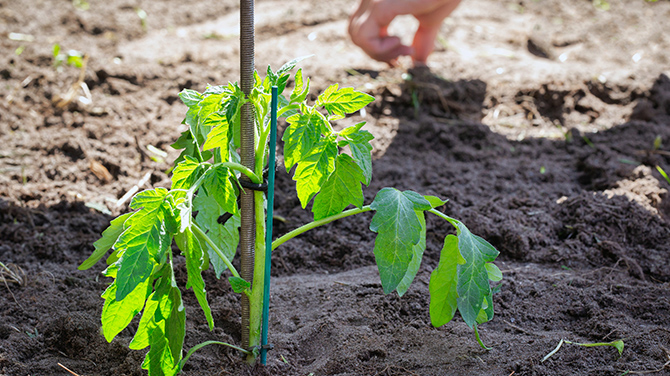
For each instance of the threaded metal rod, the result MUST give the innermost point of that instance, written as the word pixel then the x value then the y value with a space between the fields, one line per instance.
pixel 247 148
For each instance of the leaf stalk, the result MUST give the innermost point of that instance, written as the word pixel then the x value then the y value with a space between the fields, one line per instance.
pixel 201 234
pixel 304 228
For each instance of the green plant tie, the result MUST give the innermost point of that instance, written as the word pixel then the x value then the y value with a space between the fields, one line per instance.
pixel 268 227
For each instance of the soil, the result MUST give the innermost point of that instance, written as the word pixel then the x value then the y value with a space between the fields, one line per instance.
pixel 540 121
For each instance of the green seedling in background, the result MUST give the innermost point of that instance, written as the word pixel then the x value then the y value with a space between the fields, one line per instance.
pixel 81 4
pixel 658 143
pixel 329 167
pixel 142 14
pixel 618 344
pixel 73 58
pixel 601 5
pixel 662 172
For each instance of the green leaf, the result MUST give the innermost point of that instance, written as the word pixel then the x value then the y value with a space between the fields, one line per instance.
pixel 147 324
pixel 482 317
pixel 415 264
pixel 398 229
pixel 136 263
pixel 285 109
pixel 217 89
pixel 486 313
pixel 281 83
pixel 359 144
pixel 435 201
pixel 159 360
pixel 343 101
pixel 473 281
pixel 257 79
pixel 225 236
pixel 209 105
pixel 186 173
pixel 618 344
pixel 190 97
pixel 149 199
pixel 109 237
pixel 238 284
pixel 185 141
pixel 165 330
pixel 314 169
pixel 175 320
pixel 117 314
pixel 493 272
pixel 348 131
pixel 270 79
pixel 217 184
pixel 143 242
pixel 219 136
pixel 232 104
pixel 290 65
pixel 342 188
pixel 303 132
pixel 443 283
pixel 195 263
pixel 301 88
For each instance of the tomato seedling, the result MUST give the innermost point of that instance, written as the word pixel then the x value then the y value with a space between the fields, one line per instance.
pixel 200 213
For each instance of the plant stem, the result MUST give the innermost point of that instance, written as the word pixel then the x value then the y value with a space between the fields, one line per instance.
pixel 304 228
pixel 445 217
pixel 246 171
pixel 257 288
pixel 284 109
pixel 201 345
pixel 261 155
pixel 197 147
pixel 479 340
pixel 201 234
pixel 194 187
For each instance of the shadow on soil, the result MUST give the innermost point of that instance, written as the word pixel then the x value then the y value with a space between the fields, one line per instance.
pixel 592 212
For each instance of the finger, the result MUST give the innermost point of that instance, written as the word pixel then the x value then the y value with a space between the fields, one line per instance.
pixel 424 43
pixel 388 49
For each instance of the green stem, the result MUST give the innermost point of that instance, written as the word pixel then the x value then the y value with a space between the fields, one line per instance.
pixel 479 340
pixel 284 109
pixel 257 288
pixel 194 187
pixel 201 234
pixel 320 222
pixel 261 152
pixel 201 345
pixel 243 169
pixel 325 119
pixel 197 147
pixel 445 217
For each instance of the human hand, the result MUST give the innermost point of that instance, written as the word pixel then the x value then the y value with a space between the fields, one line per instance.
pixel 368 27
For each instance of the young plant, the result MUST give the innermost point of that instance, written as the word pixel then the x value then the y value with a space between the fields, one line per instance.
pixel 200 213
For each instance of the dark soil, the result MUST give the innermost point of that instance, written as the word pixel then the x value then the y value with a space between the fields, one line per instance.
pixel 537 120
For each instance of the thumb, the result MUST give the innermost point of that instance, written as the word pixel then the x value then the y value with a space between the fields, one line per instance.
pixel 389 48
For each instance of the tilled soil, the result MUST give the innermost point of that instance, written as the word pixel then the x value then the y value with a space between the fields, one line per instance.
pixel 542 122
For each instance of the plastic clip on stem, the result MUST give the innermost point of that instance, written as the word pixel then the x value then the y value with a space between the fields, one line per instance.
pixel 268 227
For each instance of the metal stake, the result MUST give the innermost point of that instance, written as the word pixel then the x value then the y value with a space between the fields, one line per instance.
pixel 247 149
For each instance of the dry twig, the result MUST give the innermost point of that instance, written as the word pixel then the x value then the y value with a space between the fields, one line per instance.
pixel 65 368
pixel 62 102
pixel 134 189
